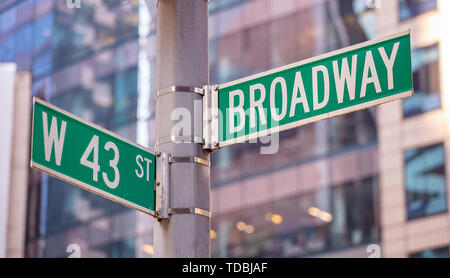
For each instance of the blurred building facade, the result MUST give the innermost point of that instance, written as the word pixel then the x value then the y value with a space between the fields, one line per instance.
pixel 318 194
pixel 413 145
pixel 376 176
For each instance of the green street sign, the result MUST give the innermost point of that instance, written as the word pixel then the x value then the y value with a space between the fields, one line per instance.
pixel 339 82
pixel 91 157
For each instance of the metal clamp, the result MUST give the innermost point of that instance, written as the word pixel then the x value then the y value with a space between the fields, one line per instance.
pixel 211 117
pixel 198 211
pixel 180 139
pixel 180 89
pixel 162 185
pixel 187 159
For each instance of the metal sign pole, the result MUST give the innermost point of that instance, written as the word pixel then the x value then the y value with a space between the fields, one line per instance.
pixel 182 70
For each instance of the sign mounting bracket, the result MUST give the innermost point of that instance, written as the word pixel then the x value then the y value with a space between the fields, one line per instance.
pixel 211 117
pixel 163 185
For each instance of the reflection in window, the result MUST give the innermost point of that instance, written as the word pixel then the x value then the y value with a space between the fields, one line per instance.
pixel 425 181
pixel 7 50
pixel 263 46
pixel 123 248
pixel 125 96
pixel 320 221
pixel 352 129
pixel 425 66
pixel 8 20
pixel 65 206
pixel 70 53
pixel 23 39
pixel 365 13
pixel 81 102
pixel 442 252
pixel 411 8
pixel 220 5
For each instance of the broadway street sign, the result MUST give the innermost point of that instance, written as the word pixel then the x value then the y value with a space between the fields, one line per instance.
pixel 332 84
pixel 91 157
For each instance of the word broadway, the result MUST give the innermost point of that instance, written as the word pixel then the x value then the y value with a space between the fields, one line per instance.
pixel 332 84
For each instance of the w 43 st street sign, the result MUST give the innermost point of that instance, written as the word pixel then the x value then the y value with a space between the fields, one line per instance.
pixel 332 84
pixel 93 158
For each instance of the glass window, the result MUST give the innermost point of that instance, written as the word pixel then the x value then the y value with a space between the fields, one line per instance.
pixel 425 181
pixel 8 20
pixel 323 220
pixel 7 50
pixel 43 30
pixel 25 12
pixel 219 5
pixel 23 39
pixel 355 216
pixel 64 206
pixel 411 8
pixel 81 62
pixel 342 129
pixel 442 252
pixel 425 66
pixel 42 64
pixel 125 97
pixel 123 248
pixel 82 102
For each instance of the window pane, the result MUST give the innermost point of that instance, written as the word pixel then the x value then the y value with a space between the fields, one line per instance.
pixel 328 219
pixel 425 66
pixel 125 97
pixel 442 252
pixel 425 181
pixel 264 46
pixel 411 8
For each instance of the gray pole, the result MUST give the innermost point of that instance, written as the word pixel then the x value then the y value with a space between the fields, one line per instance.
pixel 182 60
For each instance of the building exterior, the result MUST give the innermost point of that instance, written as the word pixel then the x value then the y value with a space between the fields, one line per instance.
pixel 413 137
pixel 85 61
pixel 318 194
pixel 331 189
pixel 7 78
